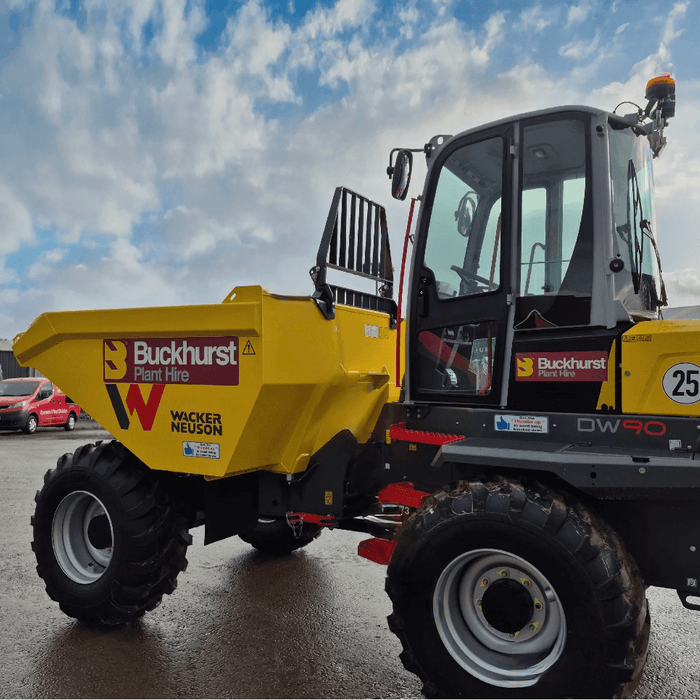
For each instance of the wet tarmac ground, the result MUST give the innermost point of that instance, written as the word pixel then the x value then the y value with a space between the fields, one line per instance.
pixel 240 624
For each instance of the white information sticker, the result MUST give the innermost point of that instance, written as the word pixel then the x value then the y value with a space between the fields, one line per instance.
pixel 521 424
pixel 205 450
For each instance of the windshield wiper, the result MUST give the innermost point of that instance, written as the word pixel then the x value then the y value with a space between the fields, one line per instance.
pixel 636 245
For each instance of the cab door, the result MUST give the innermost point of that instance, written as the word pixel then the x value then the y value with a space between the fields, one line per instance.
pixel 461 288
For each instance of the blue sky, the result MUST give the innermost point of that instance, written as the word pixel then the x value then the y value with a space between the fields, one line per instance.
pixel 164 151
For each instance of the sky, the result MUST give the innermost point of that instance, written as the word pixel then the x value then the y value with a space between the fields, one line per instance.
pixel 162 152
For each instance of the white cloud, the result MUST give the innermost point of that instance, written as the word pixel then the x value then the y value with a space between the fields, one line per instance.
pixel 208 121
pixel 443 6
pixel 683 287
pixel 16 228
pixel 8 296
pixel 196 232
pixel 255 45
pixel 580 49
pixel 176 45
pixel 578 13
pixel 408 15
pixel 45 263
pixel 138 13
pixel 677 13
pixel 538 18
pixel 344 15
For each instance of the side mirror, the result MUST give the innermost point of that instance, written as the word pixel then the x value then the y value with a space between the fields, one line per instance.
pixel 401 174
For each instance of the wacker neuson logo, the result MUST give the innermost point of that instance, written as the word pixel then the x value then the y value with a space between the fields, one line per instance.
pixel 584 366
pixel 211 361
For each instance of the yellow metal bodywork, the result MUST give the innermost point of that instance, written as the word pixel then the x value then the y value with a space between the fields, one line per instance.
pixel 650 351
pixel 302 379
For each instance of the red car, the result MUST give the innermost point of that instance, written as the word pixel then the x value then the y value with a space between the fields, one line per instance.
pixel 33 402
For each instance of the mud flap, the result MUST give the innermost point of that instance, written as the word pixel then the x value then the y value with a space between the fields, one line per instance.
pixel 230 505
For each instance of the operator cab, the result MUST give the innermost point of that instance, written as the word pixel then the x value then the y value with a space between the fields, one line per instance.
pixel 535 238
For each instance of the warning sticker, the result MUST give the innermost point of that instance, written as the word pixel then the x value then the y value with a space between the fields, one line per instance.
pixel 249 349
pixel 205 450
pixel 521 424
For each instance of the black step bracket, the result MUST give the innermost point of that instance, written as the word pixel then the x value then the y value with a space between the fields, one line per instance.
pixel 683 595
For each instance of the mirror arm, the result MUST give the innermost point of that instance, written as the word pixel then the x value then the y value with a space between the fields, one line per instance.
pixel 390 169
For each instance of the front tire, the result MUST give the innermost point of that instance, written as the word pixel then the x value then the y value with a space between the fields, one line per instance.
pixel 505 591
pixel 31 425
pixel 70 423
pixel 108 537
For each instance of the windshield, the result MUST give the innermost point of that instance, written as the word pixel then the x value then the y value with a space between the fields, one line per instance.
pixel 9 388
pixel 634 215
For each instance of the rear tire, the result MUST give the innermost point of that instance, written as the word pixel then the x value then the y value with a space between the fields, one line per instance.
pixel 505 591
pixel 108 537
pixel 276 537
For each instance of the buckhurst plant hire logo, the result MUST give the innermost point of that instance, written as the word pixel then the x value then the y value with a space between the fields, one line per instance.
pixel 161 361
pixel 584 366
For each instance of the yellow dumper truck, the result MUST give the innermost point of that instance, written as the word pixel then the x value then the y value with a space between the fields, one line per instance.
pixel 521 450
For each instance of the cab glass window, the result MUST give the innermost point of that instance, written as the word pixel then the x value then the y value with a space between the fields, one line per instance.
pixel 457 359
pixel 556 233
pixel 639 287
pixel 463 247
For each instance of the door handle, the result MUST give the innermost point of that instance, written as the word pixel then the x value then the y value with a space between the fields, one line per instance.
pixel 423 306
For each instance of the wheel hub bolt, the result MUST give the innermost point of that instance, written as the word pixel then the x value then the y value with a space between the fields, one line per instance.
pixel 526 583
pixel 538 605
pixel 504 572
pixel 533 627
pixel 478 602
pixel 485 582
pixel 512 635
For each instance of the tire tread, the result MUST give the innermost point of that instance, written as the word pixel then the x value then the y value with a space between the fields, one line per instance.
pixel 589 540
pixel 155 535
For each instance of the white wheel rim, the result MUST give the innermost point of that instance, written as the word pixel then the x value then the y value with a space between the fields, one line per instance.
pixel 509 646
pixel 79 558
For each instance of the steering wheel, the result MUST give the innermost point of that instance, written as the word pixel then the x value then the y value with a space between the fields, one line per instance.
pixel 469 277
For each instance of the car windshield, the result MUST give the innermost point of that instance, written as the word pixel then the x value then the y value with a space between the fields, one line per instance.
pixel 9 388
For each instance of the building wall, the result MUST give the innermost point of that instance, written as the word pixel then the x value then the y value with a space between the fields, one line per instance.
pixel 9 367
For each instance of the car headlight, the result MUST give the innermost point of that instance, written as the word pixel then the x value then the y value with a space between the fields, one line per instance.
pixel 19 404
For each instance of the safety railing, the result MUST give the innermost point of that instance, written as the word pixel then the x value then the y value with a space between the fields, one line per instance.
pixel 355 241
